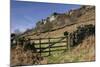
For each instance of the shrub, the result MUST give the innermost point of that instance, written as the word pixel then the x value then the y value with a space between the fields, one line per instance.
pixel 65 33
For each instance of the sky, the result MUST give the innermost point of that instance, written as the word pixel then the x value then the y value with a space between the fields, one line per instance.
pixel 25 15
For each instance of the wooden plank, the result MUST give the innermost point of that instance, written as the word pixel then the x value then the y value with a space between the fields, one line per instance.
pixel 53 47
pixel 54 50
pixel 43 43
pixel 47 38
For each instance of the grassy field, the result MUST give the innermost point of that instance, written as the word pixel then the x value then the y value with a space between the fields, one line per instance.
pixel 83 52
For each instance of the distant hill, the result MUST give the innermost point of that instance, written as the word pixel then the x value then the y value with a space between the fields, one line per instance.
pixel 60 21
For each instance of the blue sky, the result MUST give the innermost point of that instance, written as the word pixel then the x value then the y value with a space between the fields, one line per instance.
pixel 25 14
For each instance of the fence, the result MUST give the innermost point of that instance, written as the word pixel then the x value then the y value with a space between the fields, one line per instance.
pixel 49 45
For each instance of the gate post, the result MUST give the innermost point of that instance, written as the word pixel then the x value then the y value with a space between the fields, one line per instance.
pixel 49 46
pixel 69 41
pixel 66 36
pixel 40 45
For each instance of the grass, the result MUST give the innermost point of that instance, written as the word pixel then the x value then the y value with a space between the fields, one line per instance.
pixel 83 52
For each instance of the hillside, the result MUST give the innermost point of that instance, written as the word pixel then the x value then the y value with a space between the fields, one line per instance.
pixel 84 52
pixel 63 22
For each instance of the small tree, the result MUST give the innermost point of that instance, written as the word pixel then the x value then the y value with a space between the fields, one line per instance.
pixel 17 32
pixel 55 13
pixel 65 33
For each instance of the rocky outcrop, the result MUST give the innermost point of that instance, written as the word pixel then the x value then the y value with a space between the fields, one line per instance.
pixel 58 20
